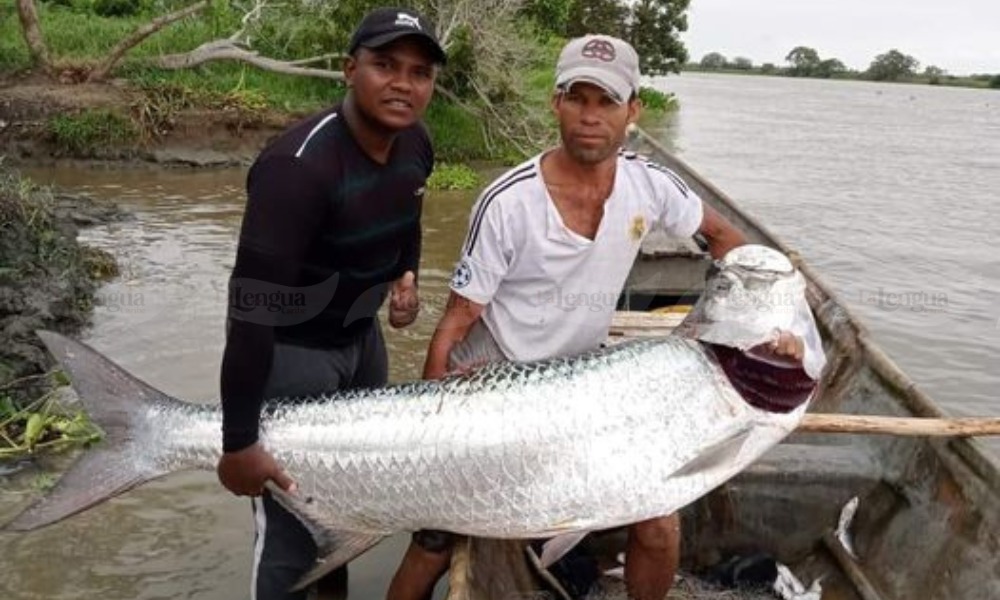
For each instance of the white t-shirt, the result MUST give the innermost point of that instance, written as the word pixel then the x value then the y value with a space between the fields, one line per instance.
pixel 549 291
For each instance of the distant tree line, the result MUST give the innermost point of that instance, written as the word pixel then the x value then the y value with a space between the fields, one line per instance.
pixel 652 26
pixel 803 61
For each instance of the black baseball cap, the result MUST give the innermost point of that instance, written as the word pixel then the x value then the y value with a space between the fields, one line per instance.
pixel 384 25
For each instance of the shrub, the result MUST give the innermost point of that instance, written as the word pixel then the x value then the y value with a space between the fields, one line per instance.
pixel 116 8
pixel 453 177
pixel 655 100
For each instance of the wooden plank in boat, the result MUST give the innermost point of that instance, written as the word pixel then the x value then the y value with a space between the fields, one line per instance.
pixel 659 244
pixel 636 324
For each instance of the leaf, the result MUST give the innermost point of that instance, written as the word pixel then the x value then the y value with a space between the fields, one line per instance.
pixel 7 408
pixel 33 430
pixel 60 378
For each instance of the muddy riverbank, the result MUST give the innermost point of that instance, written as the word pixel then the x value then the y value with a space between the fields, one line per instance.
pixel 44 121
pixel 47 278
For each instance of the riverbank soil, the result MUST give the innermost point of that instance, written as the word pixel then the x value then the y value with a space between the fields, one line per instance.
pixel 47 278
pixel 43 120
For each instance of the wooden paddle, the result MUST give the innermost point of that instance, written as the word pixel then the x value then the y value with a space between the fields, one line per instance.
pixel 909 426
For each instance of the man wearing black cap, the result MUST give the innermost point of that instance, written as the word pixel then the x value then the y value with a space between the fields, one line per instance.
pixel 332 222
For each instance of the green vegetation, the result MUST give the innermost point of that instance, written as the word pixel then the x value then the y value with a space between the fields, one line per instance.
pixel 45 280
pixel 457 135
pixel 893 66
pixel 495 90
pixel 656 102
pixel 42 425
pixel 804 61
pixel 453 177
pixel 84 134
pixel 652 26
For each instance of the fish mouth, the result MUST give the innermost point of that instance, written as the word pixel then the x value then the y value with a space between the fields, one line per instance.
pixel 772 385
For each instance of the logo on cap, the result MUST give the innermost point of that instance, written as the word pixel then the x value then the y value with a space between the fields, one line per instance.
pixel 599 49
pixel 406 20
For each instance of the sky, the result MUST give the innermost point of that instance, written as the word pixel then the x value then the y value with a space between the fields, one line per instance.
pixel 959 36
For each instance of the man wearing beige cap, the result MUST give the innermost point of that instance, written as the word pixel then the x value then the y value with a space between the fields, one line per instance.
pixel 549 246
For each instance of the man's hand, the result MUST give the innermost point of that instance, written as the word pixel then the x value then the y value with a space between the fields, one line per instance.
pixel 245 471
pixel 788 344
pixel 404 304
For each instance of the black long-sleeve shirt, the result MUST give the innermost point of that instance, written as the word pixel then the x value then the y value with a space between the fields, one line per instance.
pixel 325 232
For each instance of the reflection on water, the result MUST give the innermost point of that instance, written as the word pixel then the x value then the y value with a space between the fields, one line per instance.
pixel 886 189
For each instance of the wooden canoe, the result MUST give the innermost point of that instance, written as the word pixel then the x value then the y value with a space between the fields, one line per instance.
pixel 928 522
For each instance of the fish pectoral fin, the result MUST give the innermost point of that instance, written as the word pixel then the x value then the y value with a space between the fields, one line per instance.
pixel 719 454
pixel 334 547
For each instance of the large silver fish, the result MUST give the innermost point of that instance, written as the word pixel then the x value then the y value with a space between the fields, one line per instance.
pixel 607 438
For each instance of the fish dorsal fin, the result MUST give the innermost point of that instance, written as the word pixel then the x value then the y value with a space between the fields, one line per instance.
pixel 334 547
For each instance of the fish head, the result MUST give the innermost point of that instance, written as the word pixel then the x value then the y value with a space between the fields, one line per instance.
pixel 755 293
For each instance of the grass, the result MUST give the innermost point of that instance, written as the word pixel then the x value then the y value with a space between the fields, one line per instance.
pixel 220 81
pixel 84 134
pixel 457 135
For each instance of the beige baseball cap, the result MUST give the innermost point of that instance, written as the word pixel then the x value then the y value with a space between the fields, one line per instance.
pixel 602 60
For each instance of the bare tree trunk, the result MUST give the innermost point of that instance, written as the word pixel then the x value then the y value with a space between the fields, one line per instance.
pixel 102 70
pixel 33 34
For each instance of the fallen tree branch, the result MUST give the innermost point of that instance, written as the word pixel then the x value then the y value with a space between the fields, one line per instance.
pixel 102 70
pixel 227 50
pixel 306 61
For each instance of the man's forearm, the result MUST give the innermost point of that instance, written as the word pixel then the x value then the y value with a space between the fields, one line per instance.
pixel 246 365
pixel 447 334
pixel 459 316
pixel 723 241
pixel 721 235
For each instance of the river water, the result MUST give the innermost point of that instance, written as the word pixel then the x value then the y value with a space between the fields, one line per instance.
pixel 890 190
pixel 887 189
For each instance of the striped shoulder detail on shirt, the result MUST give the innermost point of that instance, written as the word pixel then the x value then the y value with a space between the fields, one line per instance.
pixel 674 177
pixel 490 194
pixel 316 129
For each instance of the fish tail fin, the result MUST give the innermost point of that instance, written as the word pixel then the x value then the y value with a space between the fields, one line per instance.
pixel 112 399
